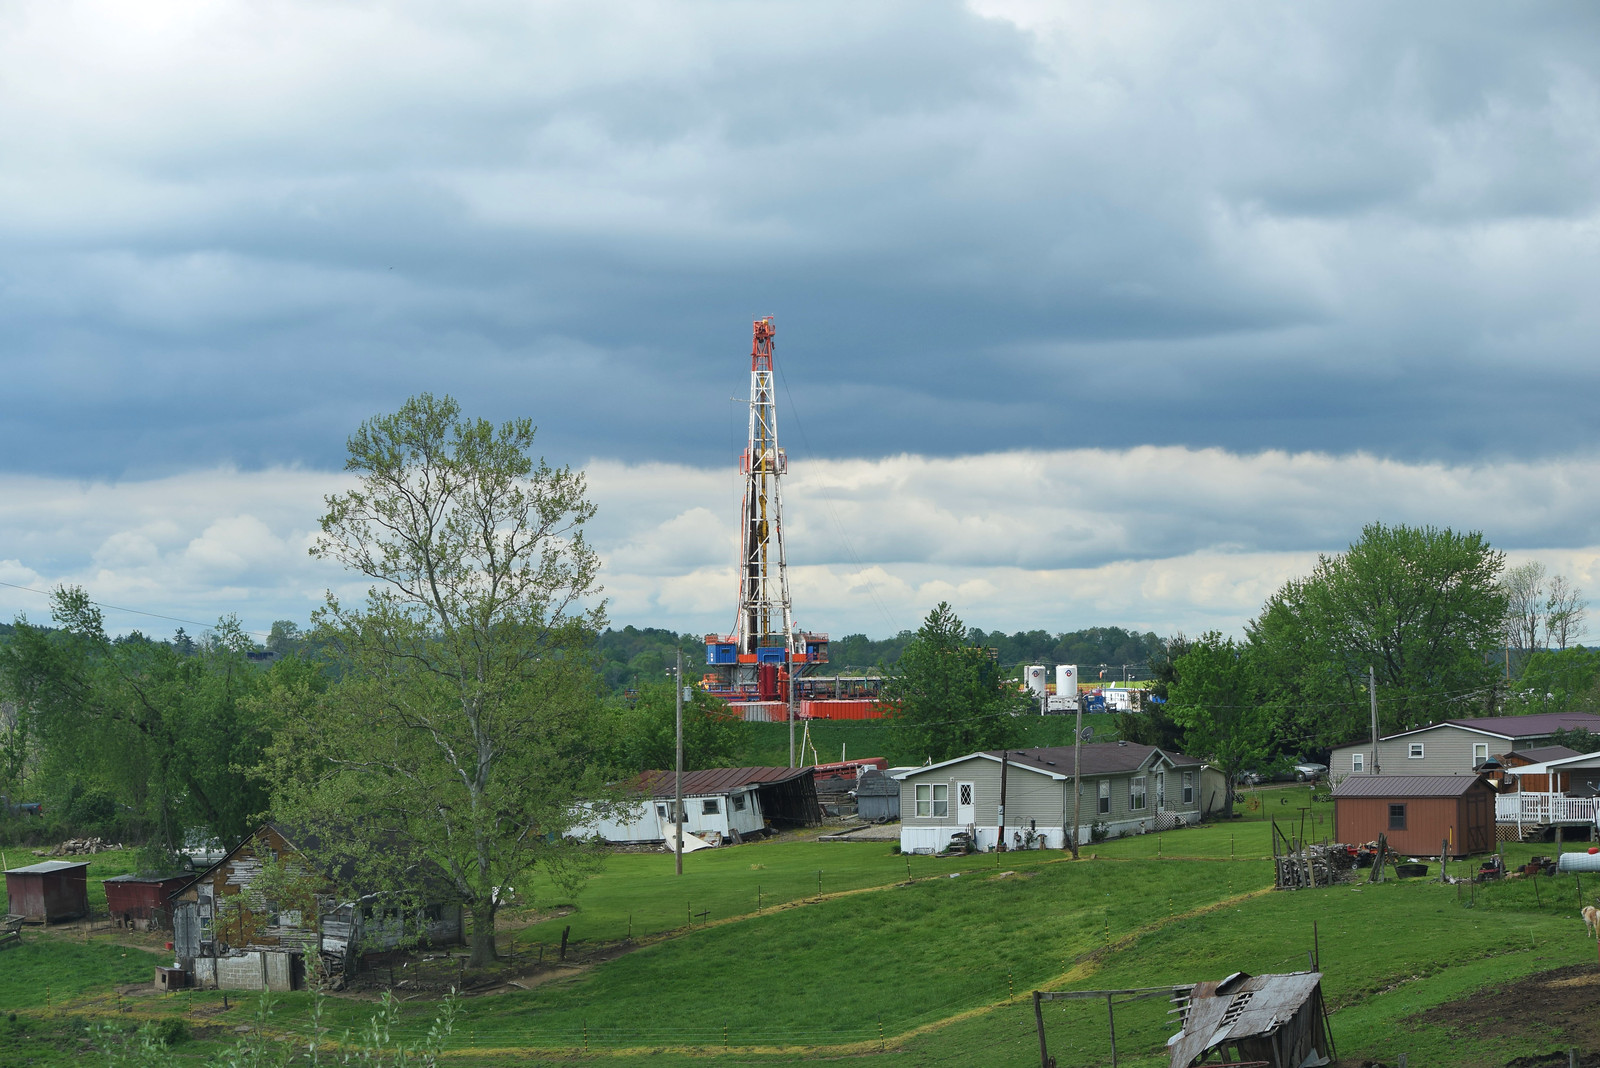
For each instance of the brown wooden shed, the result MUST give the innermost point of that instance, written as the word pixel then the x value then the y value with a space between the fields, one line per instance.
pixel 49 892
pixel 1417 813
pixel 143 900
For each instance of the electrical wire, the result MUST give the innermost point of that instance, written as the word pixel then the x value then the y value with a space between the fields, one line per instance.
pixel 133 611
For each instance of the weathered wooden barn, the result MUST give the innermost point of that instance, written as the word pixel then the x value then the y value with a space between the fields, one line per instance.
pixel 49 892
pixel 1417 813
pixel 250 921
pixel 143 901
pixel 1276 1020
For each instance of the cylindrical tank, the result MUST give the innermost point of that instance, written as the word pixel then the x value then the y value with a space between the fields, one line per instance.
pixel 1035 679
pixel 1578 862
pixel 1067 681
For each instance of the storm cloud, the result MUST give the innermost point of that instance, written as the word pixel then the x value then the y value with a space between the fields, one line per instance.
pixel 1250 238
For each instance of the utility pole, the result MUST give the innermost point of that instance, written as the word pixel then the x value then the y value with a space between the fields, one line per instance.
pixel 1372 688
pixel 1000 837
pixel 677 803
pixel 1077 781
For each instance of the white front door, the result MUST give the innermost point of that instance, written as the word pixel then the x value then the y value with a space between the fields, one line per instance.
pixel 966 810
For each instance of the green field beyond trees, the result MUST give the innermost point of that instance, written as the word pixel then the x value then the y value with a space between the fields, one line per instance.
pixel 940 954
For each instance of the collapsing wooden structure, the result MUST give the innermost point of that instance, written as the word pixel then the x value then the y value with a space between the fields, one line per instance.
pixel 50 892
pixel 1276 1020
pixel 251 921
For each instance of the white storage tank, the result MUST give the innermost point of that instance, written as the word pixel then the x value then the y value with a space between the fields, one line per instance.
pixel 1035 678
pixel 1067 683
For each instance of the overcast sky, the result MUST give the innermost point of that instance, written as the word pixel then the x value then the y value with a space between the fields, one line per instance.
pixel 1087 313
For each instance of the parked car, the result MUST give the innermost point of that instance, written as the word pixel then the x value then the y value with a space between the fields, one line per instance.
pixel 1307 771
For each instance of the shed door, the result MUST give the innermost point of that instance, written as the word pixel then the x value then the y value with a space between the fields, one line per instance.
pixel 1480 822
pixel 966 810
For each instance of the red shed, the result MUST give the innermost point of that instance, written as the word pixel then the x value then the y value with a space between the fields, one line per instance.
pixel 1417 812
pixel 48 892
pixel 143 900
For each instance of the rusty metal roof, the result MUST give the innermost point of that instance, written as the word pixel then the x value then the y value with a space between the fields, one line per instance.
pixel 1405 785
pixel 714 780
pixel 1255 1005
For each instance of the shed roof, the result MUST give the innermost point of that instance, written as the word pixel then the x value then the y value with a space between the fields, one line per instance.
pixel 1576 762
pixel 714 780
pixel 1406 785
pixel 1264 1003
pixel 1539 754
pixel 48 867
pixel 877 784
pixel 176 876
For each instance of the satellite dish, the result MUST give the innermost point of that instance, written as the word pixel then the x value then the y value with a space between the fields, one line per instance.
pixel 1086 734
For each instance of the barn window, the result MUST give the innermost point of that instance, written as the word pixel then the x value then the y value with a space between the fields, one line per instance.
pixel 1416 751
pixel 1397 817
pixel 738 802
pixel 1358 762
pixel 1136 793
pixel 1105 796
pixel 661 810
pixel 1188 787
pixel 933 799
pixel 710 807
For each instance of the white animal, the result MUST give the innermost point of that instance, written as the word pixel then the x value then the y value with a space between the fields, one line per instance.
pixel 1591 920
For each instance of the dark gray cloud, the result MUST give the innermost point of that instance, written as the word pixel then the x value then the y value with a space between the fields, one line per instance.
pixel 1332 227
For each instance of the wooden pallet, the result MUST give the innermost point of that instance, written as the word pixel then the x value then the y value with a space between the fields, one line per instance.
pixel 10 930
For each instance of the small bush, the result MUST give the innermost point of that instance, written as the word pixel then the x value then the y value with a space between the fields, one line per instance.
pixel 170 1031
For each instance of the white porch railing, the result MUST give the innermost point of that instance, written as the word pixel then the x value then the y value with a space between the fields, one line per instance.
pixel 1537 808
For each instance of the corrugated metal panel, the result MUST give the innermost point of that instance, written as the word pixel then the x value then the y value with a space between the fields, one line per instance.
pixel 715 780
pixel 835 708
pixel 49 867
pixel 1405 785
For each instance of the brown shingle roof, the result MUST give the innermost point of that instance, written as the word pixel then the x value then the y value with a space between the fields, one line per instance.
pixel 1099 758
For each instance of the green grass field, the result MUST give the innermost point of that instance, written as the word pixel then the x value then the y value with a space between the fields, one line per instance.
pixel 943 965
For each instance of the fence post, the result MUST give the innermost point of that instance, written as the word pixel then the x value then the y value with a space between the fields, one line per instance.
pixel 880 1033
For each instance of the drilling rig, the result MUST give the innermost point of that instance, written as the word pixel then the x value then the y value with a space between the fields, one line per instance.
pixel 755 663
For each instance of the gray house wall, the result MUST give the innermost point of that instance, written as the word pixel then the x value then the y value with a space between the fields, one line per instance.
pixel 1446 750
pixel 1036 800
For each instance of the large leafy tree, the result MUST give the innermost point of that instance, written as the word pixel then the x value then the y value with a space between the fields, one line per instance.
pixel 948 696
pixel 166 732
pixel 1422 606
pixel 463 726
pixel 644 734
pixel 1215 699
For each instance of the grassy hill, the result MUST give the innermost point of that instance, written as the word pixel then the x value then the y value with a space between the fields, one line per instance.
pixel 924 961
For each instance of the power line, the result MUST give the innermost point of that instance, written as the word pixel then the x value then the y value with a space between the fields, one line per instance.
pixel 133 611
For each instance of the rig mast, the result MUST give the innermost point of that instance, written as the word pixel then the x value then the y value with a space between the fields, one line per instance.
pixel 766 651
pixel 764 609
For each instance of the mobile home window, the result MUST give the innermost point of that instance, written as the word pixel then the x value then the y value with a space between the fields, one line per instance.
pixel 1105 796
pixel 738 802
pixel 1397 817
pixel 1416 751
pixel 1136 793
pixel 710 807
pixel 1480 753
pixel 1188 787
pixel 1358 762
pixel 933 799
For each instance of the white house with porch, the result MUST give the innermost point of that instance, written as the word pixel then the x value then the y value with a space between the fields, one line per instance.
pixel 1569 795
